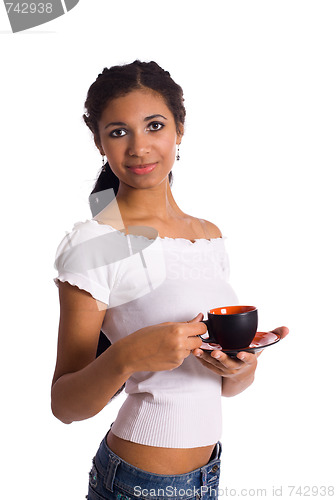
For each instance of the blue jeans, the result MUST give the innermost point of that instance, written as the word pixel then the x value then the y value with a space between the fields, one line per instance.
pixel 111 478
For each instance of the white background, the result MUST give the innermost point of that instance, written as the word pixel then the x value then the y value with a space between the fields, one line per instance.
pixel 257 159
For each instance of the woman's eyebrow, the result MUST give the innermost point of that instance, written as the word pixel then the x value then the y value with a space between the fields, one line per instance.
pixel 122 124
pixel 117 124
pixel 154 116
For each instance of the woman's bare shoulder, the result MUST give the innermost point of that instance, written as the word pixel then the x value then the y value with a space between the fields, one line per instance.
pixel 210 229
pixel 213 230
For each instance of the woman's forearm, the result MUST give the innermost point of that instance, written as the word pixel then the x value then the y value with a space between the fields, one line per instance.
pixel 83 394
pixel 233 386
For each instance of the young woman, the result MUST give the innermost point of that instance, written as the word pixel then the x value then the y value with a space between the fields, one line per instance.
pixel 143 272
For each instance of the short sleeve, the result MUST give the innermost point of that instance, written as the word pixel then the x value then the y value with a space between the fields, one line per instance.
pixel 82 260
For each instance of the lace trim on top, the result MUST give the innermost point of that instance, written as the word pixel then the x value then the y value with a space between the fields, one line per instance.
pixel 162 238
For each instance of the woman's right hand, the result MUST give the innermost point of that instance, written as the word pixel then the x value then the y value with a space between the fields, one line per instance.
pixel 163 346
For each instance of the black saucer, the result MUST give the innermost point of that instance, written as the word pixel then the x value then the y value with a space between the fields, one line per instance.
pixel 260 341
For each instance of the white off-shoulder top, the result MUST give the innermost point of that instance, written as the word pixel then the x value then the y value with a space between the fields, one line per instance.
pixel 145 282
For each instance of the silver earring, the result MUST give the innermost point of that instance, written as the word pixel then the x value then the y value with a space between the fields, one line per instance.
pixel 178 153
pixel 103 163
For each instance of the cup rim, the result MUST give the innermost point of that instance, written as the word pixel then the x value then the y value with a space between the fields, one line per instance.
pixel 217 311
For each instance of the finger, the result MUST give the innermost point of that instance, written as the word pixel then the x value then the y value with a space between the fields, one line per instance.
pixel 204 355
pixel 215 367
pixel 224 360
pixel 195 328
pixel 197 352
pixel 247 357
pixel 197 318
pixel 194 343
pixel 222 365
pixel 283 331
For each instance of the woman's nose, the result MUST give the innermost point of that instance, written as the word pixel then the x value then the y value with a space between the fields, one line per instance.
pixel 139 145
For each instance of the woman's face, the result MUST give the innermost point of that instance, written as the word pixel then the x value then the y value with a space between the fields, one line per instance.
pixel 138 136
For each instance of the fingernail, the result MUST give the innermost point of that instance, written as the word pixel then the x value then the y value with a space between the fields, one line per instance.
pixel 216 355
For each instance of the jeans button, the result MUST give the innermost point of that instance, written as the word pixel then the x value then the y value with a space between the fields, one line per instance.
pixel 214 468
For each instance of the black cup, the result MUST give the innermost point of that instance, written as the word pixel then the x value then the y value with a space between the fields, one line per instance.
pixel 232 327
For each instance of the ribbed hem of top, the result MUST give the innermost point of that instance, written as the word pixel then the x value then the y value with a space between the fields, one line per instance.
pixel 179 422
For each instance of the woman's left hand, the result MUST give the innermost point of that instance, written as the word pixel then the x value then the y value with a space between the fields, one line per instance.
pixel 238 373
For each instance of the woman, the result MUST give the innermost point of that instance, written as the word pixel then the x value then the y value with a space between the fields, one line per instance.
pixel 141 271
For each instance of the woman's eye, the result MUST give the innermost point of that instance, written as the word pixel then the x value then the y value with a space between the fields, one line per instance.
pixel 154 126
pixel 120 132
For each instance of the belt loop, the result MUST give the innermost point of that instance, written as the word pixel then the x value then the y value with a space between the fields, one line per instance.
pixel 111 472
pixel 204 479
pixel 218 450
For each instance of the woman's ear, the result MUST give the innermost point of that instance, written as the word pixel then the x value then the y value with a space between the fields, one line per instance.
pixel 180 132
pixel 97 143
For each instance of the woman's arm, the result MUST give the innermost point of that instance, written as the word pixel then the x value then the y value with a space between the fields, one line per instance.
pixel 242 377
pixel 83 384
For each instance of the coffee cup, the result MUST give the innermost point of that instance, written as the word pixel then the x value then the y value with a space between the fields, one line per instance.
pixel 232 327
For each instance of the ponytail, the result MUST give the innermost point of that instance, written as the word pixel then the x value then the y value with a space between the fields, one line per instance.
pixel 104 191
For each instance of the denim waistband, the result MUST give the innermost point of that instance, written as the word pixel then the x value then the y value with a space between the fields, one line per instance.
pixel 129 479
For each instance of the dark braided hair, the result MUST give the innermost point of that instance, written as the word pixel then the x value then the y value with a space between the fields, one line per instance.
pixel 118 81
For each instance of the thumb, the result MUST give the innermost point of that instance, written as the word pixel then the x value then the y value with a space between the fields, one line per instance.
pixel 197 318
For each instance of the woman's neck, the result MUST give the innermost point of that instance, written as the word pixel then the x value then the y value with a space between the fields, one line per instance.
pixel 143 204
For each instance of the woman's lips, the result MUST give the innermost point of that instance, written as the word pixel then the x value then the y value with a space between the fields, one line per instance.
pixel 142 169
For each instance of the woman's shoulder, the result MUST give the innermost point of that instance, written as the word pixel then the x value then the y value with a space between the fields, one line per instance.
pixel 210 229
